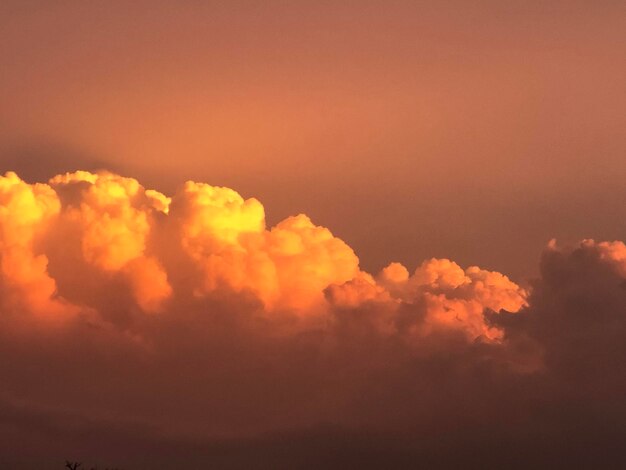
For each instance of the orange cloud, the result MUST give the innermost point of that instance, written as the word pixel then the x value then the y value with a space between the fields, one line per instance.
pixel 25 213
pixel 123 232
pixel 447 296
pixel 185 319
pixel 113 217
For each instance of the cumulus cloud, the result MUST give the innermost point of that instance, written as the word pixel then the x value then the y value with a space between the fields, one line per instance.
pixel 136 323
pixel 107 225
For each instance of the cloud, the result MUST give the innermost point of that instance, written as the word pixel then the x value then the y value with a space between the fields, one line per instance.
pixel 135 324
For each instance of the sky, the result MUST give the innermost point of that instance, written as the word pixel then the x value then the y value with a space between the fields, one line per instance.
pixel 503 119
pixel 312 234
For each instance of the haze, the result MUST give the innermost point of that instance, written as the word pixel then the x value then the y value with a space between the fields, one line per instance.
pixel 413 129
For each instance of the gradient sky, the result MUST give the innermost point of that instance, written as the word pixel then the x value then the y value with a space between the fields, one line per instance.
pixel 413 129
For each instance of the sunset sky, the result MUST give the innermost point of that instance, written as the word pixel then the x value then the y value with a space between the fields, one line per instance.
pixel 312 234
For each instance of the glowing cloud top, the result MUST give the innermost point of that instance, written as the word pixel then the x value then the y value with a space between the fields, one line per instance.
pixel 208 239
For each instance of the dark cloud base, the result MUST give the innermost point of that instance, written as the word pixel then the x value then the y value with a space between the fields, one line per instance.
pixel 462 446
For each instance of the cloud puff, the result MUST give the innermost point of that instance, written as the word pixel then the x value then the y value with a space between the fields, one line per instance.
pixel 134 324
pixel 25 214
pixel 113 227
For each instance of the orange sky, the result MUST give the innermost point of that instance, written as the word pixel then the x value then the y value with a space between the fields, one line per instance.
pixel 412 128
